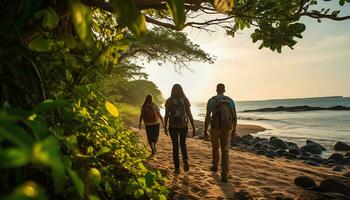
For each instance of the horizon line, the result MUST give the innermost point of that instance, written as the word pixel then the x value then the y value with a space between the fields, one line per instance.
pixel 292 98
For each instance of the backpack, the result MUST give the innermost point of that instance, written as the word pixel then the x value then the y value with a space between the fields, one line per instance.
pixel 149 114
pixel 222 115
pixel 177 115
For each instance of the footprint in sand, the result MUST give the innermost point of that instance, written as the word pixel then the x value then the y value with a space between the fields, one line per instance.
pixel 195 189
pixel 255 182
pixel 267 189
pixel 206 184
pixel 236 183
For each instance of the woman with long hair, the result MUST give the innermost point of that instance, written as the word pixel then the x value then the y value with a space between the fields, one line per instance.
pixel 178 113
pixel 151 117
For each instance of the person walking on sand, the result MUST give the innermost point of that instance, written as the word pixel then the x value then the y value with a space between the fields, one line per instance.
pixel 222 117
pixel 178 112
pixel 151 117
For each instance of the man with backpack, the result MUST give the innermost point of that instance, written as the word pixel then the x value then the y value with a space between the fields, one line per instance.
pixel 222 117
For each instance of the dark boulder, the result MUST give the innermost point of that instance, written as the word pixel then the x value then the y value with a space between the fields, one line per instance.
pixel 290 156
pixel 247 137
pixel 334 185
pixel 238 138
pixel 273 148
pixel 306 154
pixel 270 154
pixel 337 168
pixel 347 174
pixel 331 164
pixel 261 144
pixel 312 163
pixel 337 157
pixel 280 152
pixel 292 145
pixel 248 142
pixel 294 151
pixel 260 151
pixel 304 181
pixel 302 157
pixel 347 153
pixel 346 160
pixel 332 196
pixel 311 148
pixel 316 158
pixel 259 139
pixel 341 146
pixel 313 142
pixel 278 143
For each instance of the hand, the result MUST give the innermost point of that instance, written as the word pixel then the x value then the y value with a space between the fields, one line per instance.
pixel 166 131
pixel 140 127
pixel 193 132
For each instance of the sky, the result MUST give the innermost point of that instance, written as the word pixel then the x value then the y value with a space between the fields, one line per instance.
pixel 318 66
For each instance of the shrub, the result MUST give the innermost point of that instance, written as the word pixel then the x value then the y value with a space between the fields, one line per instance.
pixel 73 149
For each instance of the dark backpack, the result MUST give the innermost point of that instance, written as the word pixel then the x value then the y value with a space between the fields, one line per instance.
pixel 177 114
pixel 149 114
pixel 222 115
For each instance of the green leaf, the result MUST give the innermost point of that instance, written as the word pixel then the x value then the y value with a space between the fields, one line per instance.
pixel 72 142
pixel 38 126
pixel 138 193
pixel 129 15
pixel 16 134
pixel 50 17
pixel 149 179
pixel 47 152
pixel 103 150
pixel 297 27
pixel 94 197
pixel 133 186
pixel 162 197
pixel 177 11
pixel 14 157
pixel 39 44
pixel 48 104
pixel 90 150
pixel 142 167
pixel 82 20
pixel 69 41
pixel 78 183
pixel 67 162
pixel 27 191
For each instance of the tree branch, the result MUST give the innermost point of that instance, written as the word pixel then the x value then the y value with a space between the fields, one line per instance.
pixel 159 23
pixel 320 15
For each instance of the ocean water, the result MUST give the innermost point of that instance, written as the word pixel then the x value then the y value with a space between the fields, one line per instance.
pixel 325 127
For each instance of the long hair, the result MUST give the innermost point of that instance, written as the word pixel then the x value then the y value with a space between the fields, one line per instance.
pixel 177 91
pixel 148 100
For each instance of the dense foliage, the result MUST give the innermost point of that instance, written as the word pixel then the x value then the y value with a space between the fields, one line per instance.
pixel 86 152
pixel 60 61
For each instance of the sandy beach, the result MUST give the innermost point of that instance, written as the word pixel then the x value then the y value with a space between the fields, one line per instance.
pixel 251 176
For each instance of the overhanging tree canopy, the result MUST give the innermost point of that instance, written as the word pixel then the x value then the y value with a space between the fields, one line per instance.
pixel 276 23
